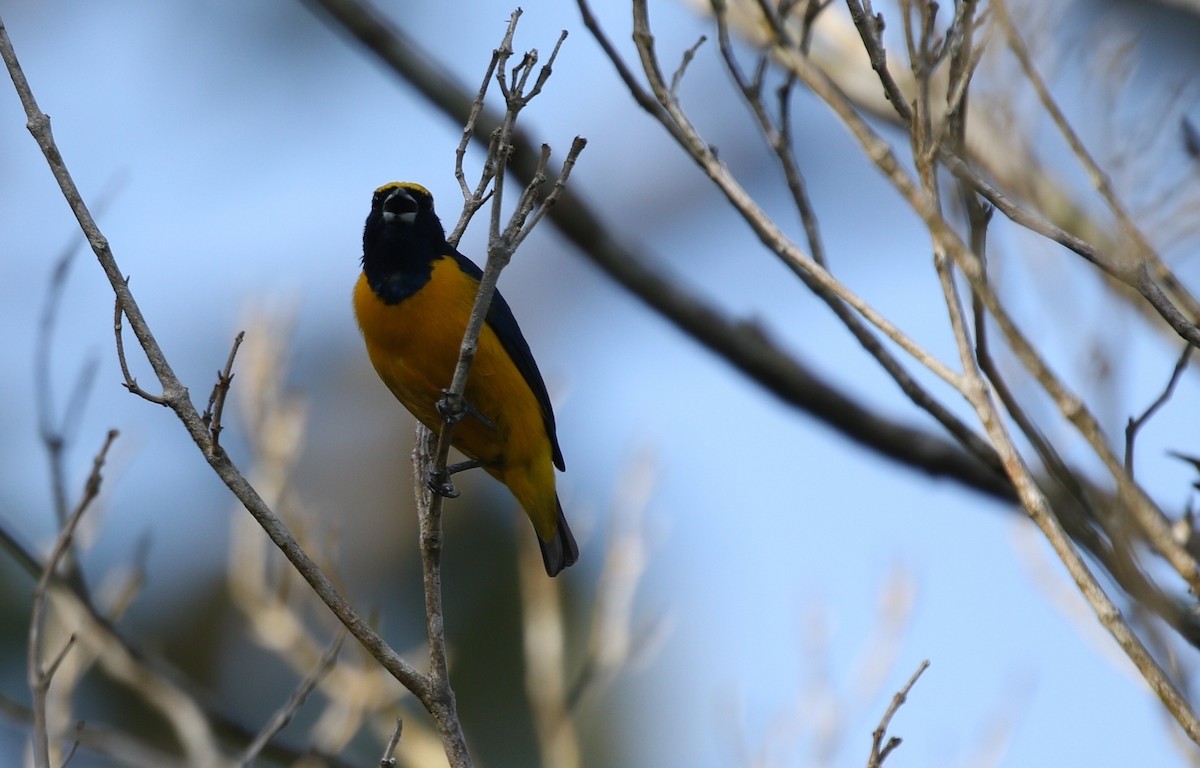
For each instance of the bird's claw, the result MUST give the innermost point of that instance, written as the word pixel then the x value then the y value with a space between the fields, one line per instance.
pixel 439 483
pixel 451 407
pixel 454 408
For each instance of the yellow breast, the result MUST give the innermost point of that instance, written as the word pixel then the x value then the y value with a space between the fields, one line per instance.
pixel 414 346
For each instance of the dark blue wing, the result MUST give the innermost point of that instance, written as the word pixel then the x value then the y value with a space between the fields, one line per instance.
pixel 504 325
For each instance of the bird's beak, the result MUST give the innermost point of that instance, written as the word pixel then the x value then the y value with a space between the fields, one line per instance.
pixel 399 208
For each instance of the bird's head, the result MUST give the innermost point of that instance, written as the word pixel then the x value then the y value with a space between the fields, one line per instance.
pixel 403 210
pixel 401 240
pixel 402 203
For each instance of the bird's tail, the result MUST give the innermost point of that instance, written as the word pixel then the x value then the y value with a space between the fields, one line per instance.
pixel 561 551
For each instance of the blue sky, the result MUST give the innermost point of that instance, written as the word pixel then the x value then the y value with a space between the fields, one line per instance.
pixel 241 171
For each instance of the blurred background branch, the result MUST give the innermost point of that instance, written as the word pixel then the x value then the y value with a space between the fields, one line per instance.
pixel 192 634
pixel 930 52
pixel 744 344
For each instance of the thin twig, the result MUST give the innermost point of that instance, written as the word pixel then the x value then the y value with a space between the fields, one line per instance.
pixel 1148 261
pixel 1135 424
pixel 51 433
pixel 74 746
pixel 556 192
pixel 216 401
pixel 389 752
pixel 40 676
pixel 743 344
pixel 946 240
pixel 57 434
pixel 430 458
pixel 688 55
pixel 546 70
pixel 870 29
pixel 879 749
pixel 130 382
pixel 472 200
pixel 175 396
pixel 286 712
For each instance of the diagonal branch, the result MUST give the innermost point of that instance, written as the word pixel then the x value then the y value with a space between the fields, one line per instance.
pixel 175 396
pixel 743 344
pixel 40 676
pixel 948 245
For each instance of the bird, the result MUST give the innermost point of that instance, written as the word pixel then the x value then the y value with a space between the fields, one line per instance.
pixel 412 303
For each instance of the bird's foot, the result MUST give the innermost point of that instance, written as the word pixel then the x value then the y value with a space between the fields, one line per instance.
pixel 454 408
pixel 439 482
pixel 461 466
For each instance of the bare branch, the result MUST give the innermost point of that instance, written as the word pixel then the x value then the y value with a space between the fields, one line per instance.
pixel 560 186
pixel 175 396
pixel 870 29
pixel 879 749
pixel 285 713
pixel 130 382
pixel 216 401
pixel 389 759
pixel 430 457
pixel 688 55
pixel 921 197
pixel 1135 424
pixel 1149 266
pixel 40 676
pixel 473 200
pixel 547 68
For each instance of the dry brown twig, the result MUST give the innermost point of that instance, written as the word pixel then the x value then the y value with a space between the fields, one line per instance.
pixel 430 456
pixel 826 704
pixel 432 689
pixel 356 691
pixel 288 710
pixel 1136 423
pixel 952 257
pixel 98 644
pixel 389 752
pixel 879 748
pixel 216 401
pixel 743 343
pixel 41 674
pixel 175 394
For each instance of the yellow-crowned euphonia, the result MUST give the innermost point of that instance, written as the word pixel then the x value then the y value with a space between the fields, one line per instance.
pixel 412 301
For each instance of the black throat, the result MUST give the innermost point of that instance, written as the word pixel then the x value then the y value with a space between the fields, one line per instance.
pixel 398 258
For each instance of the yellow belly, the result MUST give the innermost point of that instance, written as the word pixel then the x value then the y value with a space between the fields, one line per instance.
pixel 414 347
